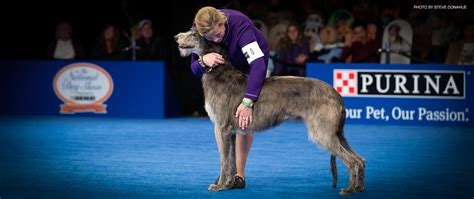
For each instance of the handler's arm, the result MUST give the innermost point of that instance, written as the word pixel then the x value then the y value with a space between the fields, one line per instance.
pixel 256 59
pixel 195 67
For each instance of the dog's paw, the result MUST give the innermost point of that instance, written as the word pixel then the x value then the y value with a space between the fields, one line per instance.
pixel 359 189
pixel 345 192
pixel 213 187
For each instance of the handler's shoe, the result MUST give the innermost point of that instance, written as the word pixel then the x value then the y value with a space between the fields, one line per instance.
pixel 239 182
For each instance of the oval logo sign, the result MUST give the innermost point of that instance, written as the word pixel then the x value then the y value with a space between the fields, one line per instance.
pixel 83 87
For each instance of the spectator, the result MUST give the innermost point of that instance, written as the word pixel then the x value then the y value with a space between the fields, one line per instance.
pixel 421 42
pixel 64 46
pixel 397 44
pixel 462 52
pixel 312 25
pixel 344 32
pixel 276 33
pixel 373 36
pixel 110 45
pixel 311 32
pixel 372 32
pixel 360 50
pixel 329 50
pixel 294 50
pixel 150 47
pixel 444 31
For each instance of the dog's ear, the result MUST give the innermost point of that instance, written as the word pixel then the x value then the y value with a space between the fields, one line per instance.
pixel 177 36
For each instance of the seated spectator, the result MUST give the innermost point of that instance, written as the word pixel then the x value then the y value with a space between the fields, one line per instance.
pixel 149 46
pixel 462 52
pixel 109 45
pixel 311 32
pixel 361 50
pixel 444 32
pixel 276 33
pixel 312 26
pixel 344 32
pixel 372 32
pixel 329 50
pixel 398 43
pixel 373 36
pixel 422 31
pixel 64 46
pixel 294 50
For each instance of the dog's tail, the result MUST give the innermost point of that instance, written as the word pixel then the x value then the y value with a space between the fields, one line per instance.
pixel 334 171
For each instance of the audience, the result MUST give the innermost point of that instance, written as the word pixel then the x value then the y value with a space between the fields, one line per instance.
pixel 398 44
pixel 64 46
pixel 436 35
pixel 372 32
pixel 110 44
pixel 294 50
pixel 149 46
pixel 329 50
pixel 361 49
pixel 462 51
pixel 444 32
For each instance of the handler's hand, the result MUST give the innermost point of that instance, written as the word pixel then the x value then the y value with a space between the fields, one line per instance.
pixel 244 114
pixel 301 58
pixel 213 59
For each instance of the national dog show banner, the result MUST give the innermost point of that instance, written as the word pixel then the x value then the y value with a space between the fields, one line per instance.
pixel 88 88
pixel 416 94
pixel 83 87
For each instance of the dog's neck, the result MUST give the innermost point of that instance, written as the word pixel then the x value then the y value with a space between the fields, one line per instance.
pixel 214 47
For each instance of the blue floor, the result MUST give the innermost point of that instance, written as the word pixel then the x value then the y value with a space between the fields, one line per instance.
pixel 66 157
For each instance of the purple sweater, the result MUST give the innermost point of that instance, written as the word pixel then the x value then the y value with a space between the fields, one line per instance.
pixel 248 51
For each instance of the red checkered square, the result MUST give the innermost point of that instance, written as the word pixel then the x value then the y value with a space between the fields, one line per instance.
pixel 345 82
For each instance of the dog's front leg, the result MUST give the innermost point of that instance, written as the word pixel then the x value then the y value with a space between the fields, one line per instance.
pixel 228 168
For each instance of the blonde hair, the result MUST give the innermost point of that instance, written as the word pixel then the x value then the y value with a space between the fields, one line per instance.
pixel 207 18
pixel 332 34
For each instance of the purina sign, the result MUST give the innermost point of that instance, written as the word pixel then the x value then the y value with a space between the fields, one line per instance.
pixel 401 83
pixel 402 94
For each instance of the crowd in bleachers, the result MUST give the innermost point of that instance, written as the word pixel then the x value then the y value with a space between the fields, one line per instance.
pixel 362 31
pixel 111 44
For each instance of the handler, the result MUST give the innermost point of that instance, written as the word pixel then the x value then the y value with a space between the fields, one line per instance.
pixel 248 51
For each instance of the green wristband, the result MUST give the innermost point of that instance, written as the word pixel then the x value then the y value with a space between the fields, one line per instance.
pixel 247 104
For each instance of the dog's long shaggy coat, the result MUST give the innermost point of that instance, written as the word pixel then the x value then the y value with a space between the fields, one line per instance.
pixel 319 104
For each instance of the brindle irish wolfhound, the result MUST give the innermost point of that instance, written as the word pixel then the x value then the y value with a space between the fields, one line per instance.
pixel 319 104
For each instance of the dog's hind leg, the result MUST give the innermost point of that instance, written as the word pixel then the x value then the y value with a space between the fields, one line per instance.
pixel 353 162
pixel 227 163
pixel 325 128
pixel 336 149
pixel 359 168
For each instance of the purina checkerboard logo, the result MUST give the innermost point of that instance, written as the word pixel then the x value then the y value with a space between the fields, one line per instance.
pixel 400 83
pixel 345 82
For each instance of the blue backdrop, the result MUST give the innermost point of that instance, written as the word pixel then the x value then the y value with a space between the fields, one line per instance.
pixel 373 107
pixel 141 89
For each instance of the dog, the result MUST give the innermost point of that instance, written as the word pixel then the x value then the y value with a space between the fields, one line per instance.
pixel 316 102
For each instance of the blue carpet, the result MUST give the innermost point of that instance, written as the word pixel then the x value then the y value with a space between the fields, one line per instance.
pixel 69 157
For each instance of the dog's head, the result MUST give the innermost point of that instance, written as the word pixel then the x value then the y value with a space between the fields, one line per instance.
pixel 189 42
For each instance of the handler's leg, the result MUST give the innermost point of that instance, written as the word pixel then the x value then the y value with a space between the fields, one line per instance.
pixel 242 145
